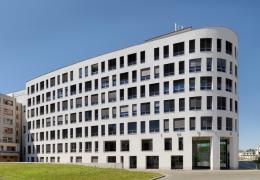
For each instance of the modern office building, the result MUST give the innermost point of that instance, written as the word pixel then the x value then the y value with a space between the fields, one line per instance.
pixel 168 103
pixel 10 129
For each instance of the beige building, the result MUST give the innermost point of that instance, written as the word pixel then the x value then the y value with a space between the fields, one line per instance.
pixel 10 128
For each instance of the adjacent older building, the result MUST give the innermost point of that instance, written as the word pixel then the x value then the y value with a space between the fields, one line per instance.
pixel 10 129
pixel 168 103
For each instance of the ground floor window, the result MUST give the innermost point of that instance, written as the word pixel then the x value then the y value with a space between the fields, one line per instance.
pixel 152 162
pixel 201 153
pixel 224 153
pixel 133 162
pixel 111 159
pixel 177 162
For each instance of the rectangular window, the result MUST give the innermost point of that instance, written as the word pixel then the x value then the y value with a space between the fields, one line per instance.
pixel 142 126
pixel 178 49
pixel 131 59
pixel 192 84
pixel 219 45
pixel 209 102
pixel 169 105
pixel 192 123
pixel 195 65
pixel 166 87
pixel 181 67
pixel 156 107
pixel 228 47
pixel 192 46
pixel 180 142
pixel 165 51
pixel 168 144
pixel 195 103
pixel 205 44
pixel 122 128
pixel 166 125
pixel 178 85
pixel 221 103
pixel 229 124
pixel 147 144
pixel 219 83
pixel 168 69
pixel 132 126
pixel 142 57
pixel 206 123
pixel 179 124
pixel 182 104
pixel 209 64
pixel 154 126
pixel 206 83
pixel 122 62
pixel 219 123
pixel 156 53
pixel 221 65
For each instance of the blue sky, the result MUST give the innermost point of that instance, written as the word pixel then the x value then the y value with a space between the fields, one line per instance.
pixel 39 36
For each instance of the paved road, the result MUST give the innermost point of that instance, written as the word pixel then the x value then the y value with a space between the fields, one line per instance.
pixel 212 175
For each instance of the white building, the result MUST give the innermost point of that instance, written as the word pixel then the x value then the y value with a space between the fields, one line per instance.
pixel 168 103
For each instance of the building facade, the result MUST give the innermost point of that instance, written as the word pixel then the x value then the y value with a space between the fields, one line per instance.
pixel 168 103
pixel 10 129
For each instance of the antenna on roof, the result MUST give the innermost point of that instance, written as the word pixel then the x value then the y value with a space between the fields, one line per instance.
pixel 177 27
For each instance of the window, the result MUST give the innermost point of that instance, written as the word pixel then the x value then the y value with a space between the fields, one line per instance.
pixel 154 126
pixel 221 103
pixel 219 123
pixel 86 71
pixel 73 118
pixel 105 113
pixel 142 126
pixel 78 102
pixel 114 80
pixel 124 145
pixel 64 77
pixel 156 72
pixel 94 99
pixel 145 74
pixel 195 65
pixel 132 128
pixel 88 115
pixel 205 44
pixel 105 82
pixel 230 67
pixel 182 104
pixel 94 69
pixel 122 62
pixel 180 141
pixel 168 69
pixel 122 94
pixel 142 56
pixel 122 128
pixel 154 89
pixel 206 123
pixel 192 84
pixel 178 85
pixel 219 83
pixel 124 111
pixel 94 130
pixel 103 67
pixel 142 91
pixel 228 47
pixel 134 110
pixel 181 67
pixel 80 73
pixel 145 108
pixel 195 103
pixel 166 125
pixel 73 147
pixel 110 146
pixel 179 124
pixel 78 132
pixel 192 123
pixel 209 102
pixel 131 59
pixel 165 51
pixel 103 130
pixel 111 159
pixel 73 89
pixel 221 65
pixel 147 144
pixel 192 46
pixel 111 96
pixel 178 49
pixel 124 78
pixel 209 64
pixel 206 83
pixel 112 129
pixel 88 146
pixel 156 53
pixel 169 105
pixel 219 45
pixel 229 124
pixel 156 107
pixel 228 85
pixel 88 86
pixel 168 144
pixel 112 64
pixel 166 87
pixel 52 81
pixel 230 104
pixel 134 76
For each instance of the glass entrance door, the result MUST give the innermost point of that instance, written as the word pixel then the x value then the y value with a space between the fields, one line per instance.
pixel 224 153
pixel 201 154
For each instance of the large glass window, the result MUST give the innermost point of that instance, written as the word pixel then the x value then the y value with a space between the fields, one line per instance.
pixel 178 49
pixel 195 103
pixel 206 123
pixel 154 126
pixel 205 44
pixel 195 65
pixel 179 124
pixel 178 85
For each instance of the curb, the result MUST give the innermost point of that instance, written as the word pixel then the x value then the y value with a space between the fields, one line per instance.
pixel 159 177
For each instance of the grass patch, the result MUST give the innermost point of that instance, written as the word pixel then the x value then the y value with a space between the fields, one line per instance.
pixel 11 171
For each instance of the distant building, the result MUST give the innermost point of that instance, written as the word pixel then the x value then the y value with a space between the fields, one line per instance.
pixel 250 155
pixel 10 129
